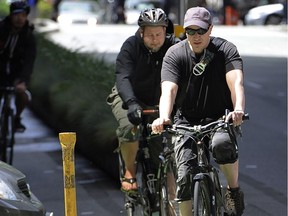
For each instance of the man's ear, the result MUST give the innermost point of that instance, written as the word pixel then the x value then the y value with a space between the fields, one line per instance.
pixel 141 32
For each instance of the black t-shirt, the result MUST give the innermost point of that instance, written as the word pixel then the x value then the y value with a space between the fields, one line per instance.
pixel 207 95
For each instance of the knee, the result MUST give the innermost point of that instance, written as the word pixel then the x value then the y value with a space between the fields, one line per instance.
pixel 183 191
pixel 127 133
pixel 225 152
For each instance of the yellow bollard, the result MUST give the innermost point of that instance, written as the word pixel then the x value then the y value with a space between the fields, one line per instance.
pixel 179 31
pixel 68 140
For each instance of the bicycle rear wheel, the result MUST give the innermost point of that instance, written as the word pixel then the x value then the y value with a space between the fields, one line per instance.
pixel 7 136
pixel 202 204
pixel 167 193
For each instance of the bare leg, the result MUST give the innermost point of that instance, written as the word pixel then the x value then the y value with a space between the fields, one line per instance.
pixel 129 152
pixel 171 183
pixel 230 172
pixel 186 208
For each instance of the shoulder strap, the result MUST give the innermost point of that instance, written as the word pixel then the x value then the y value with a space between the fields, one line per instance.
pixel 197 70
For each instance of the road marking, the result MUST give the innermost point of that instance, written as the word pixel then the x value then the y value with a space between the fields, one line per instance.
pixel 37 147
pixel 251 166
pixel 253 85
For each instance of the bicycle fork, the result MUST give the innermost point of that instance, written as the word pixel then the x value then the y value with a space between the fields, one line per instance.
pixel 212 189
pixel 209 176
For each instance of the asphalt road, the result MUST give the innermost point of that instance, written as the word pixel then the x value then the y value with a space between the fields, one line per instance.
pixel 263 151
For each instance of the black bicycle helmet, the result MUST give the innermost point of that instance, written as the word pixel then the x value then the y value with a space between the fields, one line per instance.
pixel 19 7
pixel 153 17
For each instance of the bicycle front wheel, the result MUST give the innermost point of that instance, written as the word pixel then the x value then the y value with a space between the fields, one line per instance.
pixel 136 206
pixel 167 195
pixel 141 205
pixel 202 204
pixel 219 208
pixel 7 136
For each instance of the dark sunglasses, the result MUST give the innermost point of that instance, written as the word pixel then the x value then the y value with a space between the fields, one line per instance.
pixel 199 31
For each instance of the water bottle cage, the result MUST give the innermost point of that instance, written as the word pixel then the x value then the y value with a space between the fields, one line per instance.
pixel 151 183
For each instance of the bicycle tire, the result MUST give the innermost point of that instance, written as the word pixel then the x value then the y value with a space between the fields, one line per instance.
pixel 10 136
pixel 167 192
pixel 218 192
pixel 7 136
pixel 142 209
pixel 201 202
pixel 144 194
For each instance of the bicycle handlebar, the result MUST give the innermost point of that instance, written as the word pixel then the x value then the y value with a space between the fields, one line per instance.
pixel 203 128
pixel 12 89
pixel 200 128
pixel 7 88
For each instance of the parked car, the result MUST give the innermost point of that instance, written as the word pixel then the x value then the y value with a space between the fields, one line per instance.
pixel 16 198
pixel 271 14
pixel 86 12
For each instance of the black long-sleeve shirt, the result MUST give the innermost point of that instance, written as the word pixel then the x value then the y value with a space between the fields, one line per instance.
pixel 138 70
pixel 17 53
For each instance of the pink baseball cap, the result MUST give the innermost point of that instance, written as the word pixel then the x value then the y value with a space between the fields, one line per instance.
pixel 198 16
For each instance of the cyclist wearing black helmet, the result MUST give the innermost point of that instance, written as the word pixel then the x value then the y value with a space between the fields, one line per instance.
pixel 138 67
pixel 17 54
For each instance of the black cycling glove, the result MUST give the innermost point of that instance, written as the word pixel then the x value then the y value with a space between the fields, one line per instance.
pixel 134 113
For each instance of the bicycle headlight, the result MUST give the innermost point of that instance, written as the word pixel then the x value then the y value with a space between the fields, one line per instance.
pixel 6 192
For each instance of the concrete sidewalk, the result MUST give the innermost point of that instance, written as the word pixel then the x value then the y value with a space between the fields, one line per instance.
pixel 38 155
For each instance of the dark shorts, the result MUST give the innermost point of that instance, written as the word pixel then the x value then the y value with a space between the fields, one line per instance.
pixel 223 149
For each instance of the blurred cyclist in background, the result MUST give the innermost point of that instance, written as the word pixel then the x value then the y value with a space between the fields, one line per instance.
pixel 17 55
pixel 138 67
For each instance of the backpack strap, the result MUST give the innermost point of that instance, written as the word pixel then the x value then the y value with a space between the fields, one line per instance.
pixel 197 70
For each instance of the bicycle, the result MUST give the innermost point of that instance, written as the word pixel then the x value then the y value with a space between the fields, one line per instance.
pixel 167 173
pixel 154 193
pixel 206 194
pixel 7 127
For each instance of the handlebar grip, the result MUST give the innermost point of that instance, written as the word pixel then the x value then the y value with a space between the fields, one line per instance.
pixel 246 116
pixel 149 126
pixel 150 111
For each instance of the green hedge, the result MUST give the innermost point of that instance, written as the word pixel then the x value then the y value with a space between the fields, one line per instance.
pixel 4 8
pixel 69 92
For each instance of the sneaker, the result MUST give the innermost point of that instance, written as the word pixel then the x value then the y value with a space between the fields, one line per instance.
pixel 19 127
pixel 234 202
